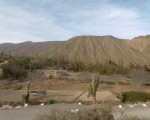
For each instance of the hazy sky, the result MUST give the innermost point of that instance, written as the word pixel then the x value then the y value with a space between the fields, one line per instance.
pixel 46 20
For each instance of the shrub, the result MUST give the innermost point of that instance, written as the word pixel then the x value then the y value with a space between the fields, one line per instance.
pixel 17 67
pixel 76 66
pixel 49 102
pixel 108 68
pixel 133 97
pixel 23 62
pixel 14 71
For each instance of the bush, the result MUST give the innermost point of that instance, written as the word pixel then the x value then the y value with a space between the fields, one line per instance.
pixel 76 66
pixel 23 62
pixel 14 71
pixel 133 97
pixel 91 114
pixel 109 68
pixel 17 67
pixel 49 102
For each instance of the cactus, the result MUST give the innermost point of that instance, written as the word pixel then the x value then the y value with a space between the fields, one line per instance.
pixel 25 96
pixel 92 88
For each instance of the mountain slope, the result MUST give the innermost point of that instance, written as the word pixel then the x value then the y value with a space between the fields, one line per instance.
pixel 98 49
pixel 142 44
pixel 88 49
pixel 26 48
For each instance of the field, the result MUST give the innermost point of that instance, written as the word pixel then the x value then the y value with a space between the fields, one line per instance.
pixel 67 90
pixel 66 86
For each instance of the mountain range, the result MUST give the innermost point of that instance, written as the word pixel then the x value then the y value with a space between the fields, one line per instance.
pixel 26 48
pixel 88 49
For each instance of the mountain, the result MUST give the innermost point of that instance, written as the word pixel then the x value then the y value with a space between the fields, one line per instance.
pixel 99 49
pixel 88 49
pixel 27 48
pixel 142 44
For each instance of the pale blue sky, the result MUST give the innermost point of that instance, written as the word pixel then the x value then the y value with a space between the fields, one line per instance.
pixel 49 20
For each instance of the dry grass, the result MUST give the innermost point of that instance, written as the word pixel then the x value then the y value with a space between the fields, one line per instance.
pixel 130 118
pixel 91 114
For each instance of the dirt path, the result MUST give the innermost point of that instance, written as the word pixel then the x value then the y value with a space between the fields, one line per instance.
pixel 136 110
pixel 30 113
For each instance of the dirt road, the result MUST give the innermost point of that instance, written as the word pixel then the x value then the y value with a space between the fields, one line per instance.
pixel 31 112
pixel 139 110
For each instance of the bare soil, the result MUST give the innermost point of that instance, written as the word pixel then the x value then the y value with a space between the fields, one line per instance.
pixel 66 90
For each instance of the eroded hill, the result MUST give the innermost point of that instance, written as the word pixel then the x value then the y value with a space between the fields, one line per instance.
pixel 99 49
pixel 88 49
pixel 142 44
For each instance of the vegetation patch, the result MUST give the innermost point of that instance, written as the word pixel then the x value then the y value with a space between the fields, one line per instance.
pixel 134 96
pixel 18 67
pixel 49 102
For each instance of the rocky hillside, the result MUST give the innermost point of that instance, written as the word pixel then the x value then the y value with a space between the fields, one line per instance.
pixel 88 49
pixel 27 48
pixel 142 44
pixel 99 49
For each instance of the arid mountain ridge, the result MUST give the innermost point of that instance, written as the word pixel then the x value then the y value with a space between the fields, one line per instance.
pixel 88 49
pixel 142 44
pixel 26 48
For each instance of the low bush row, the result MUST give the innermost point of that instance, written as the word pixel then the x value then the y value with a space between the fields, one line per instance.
pixel 134 97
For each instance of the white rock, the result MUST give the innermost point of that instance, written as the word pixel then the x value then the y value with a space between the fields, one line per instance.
pixel 42 104
pixel 18 107
pixel 26 105
pixel 79 103
pixel 6 107
pixel 120 106
pixel 131 106
pixel 75 111
pixel 144 105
